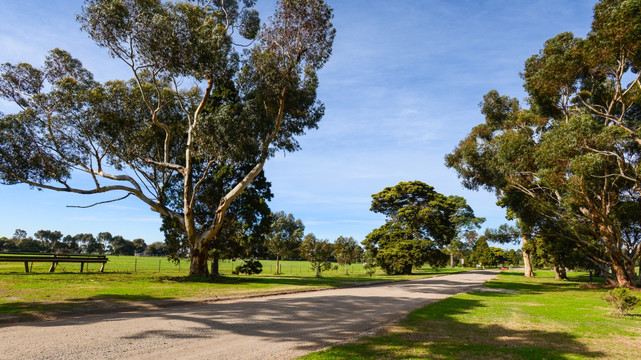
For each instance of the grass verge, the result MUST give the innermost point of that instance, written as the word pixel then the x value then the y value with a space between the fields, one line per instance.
pixel 40 294
pixel 536 319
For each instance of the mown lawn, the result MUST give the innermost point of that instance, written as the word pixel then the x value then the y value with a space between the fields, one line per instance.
pixel 147 279
pixel 538 319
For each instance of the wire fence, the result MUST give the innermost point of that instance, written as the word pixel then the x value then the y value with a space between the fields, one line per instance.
pixel 160 264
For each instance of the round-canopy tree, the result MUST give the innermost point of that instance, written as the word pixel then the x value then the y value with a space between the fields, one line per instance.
pixel 420 222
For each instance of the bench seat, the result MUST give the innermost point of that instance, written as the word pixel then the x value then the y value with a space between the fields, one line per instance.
pixel 54 259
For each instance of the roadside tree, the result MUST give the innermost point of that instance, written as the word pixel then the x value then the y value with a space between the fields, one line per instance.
pixel 130 137
pixel 573 156
pixel 420 223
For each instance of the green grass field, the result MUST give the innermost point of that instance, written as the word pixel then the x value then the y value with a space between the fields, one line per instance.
pixel 147 279
pixel 540 319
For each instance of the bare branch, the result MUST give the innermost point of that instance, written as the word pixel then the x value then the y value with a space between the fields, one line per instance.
pixel 99 203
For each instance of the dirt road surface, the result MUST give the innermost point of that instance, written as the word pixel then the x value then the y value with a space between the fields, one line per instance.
pixel 272 327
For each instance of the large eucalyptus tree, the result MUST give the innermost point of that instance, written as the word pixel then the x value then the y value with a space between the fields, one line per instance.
pixel 194 103
pixel 574 155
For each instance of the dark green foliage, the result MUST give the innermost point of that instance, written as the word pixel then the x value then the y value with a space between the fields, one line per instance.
pixel 420 222
pixel 54 241
pixel 139 245
pixel 248 267
pixel 122 246
pixel 246 223
pixel 157 249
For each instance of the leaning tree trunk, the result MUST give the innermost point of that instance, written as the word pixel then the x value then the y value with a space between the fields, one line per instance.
pixel 527 261
pixel 452 259
pixel 621 274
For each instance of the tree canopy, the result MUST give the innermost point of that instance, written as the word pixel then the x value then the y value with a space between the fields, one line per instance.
pixel 317 252
pixel 420 222
pixel 194 104
pixel 569 163
pixel 285 236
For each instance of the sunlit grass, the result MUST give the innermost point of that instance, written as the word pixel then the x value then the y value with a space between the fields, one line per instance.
pixel 539 319
pixel 127 278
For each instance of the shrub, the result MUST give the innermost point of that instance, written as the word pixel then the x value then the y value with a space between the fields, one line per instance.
pixel 249 267
pixel 622 299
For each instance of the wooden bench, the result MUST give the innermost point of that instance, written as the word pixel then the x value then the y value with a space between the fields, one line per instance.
pixel 54 259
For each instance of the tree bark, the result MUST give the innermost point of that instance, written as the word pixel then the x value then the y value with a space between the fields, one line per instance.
pixel 452 260
pixel 560 273
pixel 527 262
pixel 639 277
pixel 215 269
pixel 621 274
pixel 198 262
pixel 277 265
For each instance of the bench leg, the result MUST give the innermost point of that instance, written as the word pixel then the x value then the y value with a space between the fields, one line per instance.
pixel 102 268
pixel 82 265
pixel 53 267
pixel 26 266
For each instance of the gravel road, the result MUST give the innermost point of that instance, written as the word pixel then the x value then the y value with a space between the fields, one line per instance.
pixel 272 327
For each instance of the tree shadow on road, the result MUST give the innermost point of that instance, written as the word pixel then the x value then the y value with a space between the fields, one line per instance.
pixel 311 321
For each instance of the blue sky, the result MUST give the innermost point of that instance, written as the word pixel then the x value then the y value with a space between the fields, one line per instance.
pixel 401 90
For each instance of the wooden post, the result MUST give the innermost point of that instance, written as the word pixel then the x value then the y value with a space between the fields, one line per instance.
pixel 26 266
pixel 82 266
pixel 102 268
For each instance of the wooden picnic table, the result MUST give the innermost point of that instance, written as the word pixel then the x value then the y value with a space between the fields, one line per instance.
pixel 54 259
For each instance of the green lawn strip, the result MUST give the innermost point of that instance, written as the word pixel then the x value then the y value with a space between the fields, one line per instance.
pixel 41 291
pixel 546 319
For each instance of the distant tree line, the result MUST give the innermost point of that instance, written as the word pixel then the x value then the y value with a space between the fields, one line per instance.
pixel 85 243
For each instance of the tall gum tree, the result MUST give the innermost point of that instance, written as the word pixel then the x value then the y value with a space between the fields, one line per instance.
pixel 573 155
pixel 194 103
